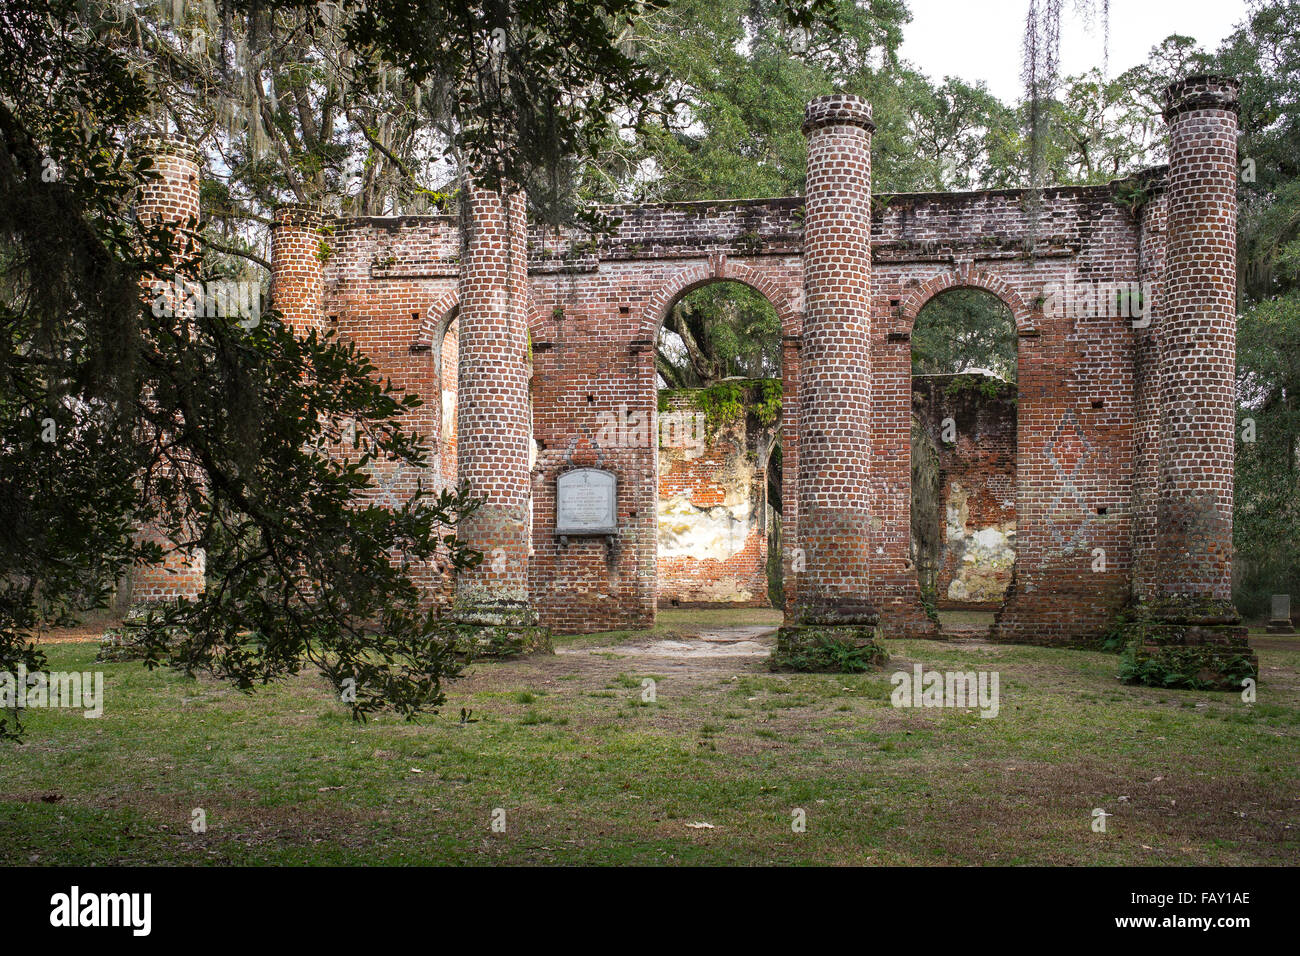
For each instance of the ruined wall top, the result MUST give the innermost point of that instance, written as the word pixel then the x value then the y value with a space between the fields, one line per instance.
pixel 836 109
pixel 990 223
pixel 1205 91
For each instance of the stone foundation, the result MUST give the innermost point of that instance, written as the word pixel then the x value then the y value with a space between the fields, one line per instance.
pixel 828 648
pixel 503 629
pixel 1199 645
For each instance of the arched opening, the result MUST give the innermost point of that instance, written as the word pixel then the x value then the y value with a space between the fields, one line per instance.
pixel 963 500
pixel 718 365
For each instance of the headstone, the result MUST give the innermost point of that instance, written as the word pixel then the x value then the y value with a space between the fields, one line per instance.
pixel 1280 620
pixel 586 503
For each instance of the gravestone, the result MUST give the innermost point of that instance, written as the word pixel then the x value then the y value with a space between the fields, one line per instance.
pixel 586 503
pixel 1280 620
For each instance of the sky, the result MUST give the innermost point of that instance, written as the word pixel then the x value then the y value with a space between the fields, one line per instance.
pixel 981 39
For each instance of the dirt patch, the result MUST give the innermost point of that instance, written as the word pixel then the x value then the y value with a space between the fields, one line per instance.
pixel 745 641
pixel 81 634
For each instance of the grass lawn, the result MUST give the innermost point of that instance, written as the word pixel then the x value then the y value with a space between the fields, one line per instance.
pixel 587 772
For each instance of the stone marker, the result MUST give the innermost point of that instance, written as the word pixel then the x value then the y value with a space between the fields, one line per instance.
pixel 1280 619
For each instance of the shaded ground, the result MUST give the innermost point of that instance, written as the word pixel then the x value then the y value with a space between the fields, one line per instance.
pixel 618 747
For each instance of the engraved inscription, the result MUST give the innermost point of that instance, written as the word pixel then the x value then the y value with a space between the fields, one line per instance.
pixel 586 502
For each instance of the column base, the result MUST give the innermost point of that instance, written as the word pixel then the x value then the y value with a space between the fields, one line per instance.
pixel 1191 644
pixel 499 630
pixel 830 640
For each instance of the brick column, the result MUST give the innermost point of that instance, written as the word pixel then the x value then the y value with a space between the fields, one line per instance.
pixel 169 198
pixel 1191 610
pixel 297 270
pixel 834 459
pixel 493 423
pixel 1146 396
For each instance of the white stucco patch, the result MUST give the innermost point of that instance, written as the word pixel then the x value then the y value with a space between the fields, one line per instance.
pixel 702 533
pixel 986 554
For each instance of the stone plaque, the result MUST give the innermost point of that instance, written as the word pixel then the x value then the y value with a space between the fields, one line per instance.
pixel 1281 607
pixel 586 502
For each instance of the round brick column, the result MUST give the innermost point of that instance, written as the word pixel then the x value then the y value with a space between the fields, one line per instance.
pixel 834 461
pixel 1190 621
pixel 169 198
pixel 1198 327
pixel 834 468
pixel 492 419
pixel 297 269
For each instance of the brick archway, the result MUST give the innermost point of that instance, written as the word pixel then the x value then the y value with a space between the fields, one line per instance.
pixel 967 278
pixel 982 459
pixel 717 269
pixel 443 312
pixel 437 320
pixel 783 290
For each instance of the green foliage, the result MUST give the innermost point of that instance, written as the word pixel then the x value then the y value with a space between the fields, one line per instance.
pixel 1265 53
pixel 730 401
pixel 964 329
pixel 983 384
pixel 1117 635
pixel 829 650
pixel 207 430
pixel 1266 526
pixel 928 605
pixel 1132 195
pixel 718 330
pixel 721 403
pixel 1184 667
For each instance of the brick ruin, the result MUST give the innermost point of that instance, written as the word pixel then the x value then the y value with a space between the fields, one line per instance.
pixel 964 488
pixel 1125 424
pixel 714 516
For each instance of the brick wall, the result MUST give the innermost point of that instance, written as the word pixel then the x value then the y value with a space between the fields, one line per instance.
pixel 1093 386
pixel 974 512
pixel 712 507
pixel 595 308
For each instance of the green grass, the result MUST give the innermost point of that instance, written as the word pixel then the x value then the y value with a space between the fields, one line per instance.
pixel 587 772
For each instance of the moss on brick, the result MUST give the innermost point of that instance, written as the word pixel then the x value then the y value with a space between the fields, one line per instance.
pixel 835 649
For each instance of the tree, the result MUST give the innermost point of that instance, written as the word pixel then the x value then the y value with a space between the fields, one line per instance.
pixel 962 330
pixel 1265 53
pixel 721 330
pixel 203 427
pixel 738 76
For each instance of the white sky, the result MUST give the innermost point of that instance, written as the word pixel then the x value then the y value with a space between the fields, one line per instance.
pixel 981 39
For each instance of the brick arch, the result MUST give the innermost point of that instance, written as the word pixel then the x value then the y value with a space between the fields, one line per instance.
pixel 444 311
pixel 967 278
pixel 438 316
pixel 716 269
pixel 536 321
